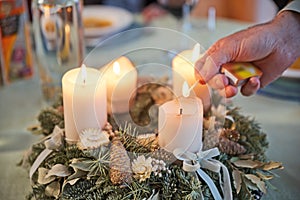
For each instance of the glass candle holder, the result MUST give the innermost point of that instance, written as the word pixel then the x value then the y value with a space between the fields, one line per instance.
pixel 58 35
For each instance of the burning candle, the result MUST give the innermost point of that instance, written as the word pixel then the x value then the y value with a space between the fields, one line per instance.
pixel 48 23
pixel 180 123
pixel 183 70
pixel 64 52
pixel 121 80
pixel 84 98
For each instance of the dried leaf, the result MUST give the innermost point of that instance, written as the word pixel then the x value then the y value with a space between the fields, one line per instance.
pixel 250 185
pixel 42 179
pixel 264 176
pixel 83 164
pixel 53 189
pixel 71 182
pixel 58 170
pixel 78 174
pixel 246 157
pixel 257 181
pixel 55 141
pixel 237 180
pixel 234 159
pixel 272 165
pixel 247 163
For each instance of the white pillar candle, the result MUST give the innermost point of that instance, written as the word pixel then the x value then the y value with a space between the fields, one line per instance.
pixel 183 70
pixel 180 124
pixel 121 82
pixel 84 100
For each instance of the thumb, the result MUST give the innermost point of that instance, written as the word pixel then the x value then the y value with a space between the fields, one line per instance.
pixel 210 64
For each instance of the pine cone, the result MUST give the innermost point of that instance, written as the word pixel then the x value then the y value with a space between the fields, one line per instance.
pixel 120 166
pixel 231 134
pixel 211 139
pixel 230 147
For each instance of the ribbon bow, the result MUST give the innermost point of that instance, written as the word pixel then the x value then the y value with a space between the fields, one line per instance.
pixel 52 142
pixel 193 162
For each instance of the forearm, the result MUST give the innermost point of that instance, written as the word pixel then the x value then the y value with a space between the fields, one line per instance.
pixel 286 28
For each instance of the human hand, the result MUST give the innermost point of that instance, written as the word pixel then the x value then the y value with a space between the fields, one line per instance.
pixel 272 47
pixel 159 9
pixel 152 12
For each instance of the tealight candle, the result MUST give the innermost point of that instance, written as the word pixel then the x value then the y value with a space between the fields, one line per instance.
pixel 121 81
pixel 180 123
pixel 84 100
pixel 183 70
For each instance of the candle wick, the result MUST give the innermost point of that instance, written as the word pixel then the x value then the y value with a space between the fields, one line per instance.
pixel 83 73
pixel 180 111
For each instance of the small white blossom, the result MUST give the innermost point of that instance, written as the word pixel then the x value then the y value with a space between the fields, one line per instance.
pixel 142 168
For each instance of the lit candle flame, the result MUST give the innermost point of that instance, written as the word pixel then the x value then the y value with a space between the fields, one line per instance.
pixel 67 29
pixel 47 11
pixel 83 73
pixel 116 68
pixel 196 52
pixel 185 89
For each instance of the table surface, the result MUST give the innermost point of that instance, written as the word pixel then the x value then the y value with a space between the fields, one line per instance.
pixel 21 101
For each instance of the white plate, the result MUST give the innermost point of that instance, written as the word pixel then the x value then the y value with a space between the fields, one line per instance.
pixel 291 73
pixel 119 18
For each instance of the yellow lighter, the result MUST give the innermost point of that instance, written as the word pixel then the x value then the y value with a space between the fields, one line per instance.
pixel 239 72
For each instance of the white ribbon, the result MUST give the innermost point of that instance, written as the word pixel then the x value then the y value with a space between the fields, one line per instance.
pixel 52 142
pixel 193 162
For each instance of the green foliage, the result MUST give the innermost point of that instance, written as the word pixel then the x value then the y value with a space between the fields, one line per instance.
pixel 252 137
pixel 128 137
pixel 49 118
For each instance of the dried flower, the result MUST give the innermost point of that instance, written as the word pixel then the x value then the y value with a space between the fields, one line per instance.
pixel 219 111
pixel 148 140
pixel 142 168
pixel 93 138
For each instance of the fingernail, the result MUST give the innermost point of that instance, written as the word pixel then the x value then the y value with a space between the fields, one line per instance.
pixel 253 83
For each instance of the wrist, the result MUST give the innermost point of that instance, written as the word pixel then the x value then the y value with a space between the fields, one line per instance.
pixel 286 29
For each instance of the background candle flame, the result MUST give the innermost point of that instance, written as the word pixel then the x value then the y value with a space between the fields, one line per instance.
pixel 116 68
pixel 47 11
pixel 185 89
pixel 196 52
